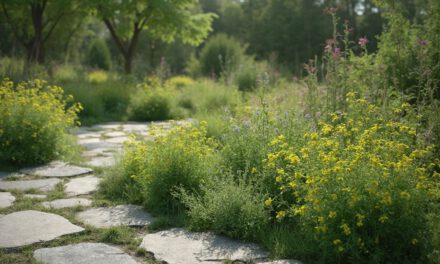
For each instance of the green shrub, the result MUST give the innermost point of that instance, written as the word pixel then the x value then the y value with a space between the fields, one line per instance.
pixel 207 96
pixel 65 73
pixel 178 82
pixel 227 207
pixel 182 158
pixel 97 76
pixel 99 55
pixel 220 55
pixel 11 68
pixel 246 78
pixel 106 101
pixel 150 104
pixel 34 119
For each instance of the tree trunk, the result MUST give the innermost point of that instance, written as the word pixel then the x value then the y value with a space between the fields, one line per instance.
pixel 36 46
pixel 127 53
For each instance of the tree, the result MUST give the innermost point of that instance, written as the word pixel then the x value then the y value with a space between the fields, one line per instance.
pixel 33 22
pixel 163 19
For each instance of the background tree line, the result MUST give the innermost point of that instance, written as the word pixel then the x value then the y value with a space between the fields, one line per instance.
pixel 140 35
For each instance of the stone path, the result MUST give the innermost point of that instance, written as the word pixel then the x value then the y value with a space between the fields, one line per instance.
pixel 66 203
pixel 182 247
pixel 6 199
pixel 44 185
pixel 82 253
pixel 102 144
pixel 28 227
pixel 127 215
pixel 81 185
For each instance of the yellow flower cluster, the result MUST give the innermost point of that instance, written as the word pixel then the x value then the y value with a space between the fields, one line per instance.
pixel 359 175
pixel 34 119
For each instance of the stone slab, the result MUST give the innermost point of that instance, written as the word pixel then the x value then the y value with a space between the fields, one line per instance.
pixel 83 253
pixel 29 227
pixel 57 169
pixel 127 215
pixel 35 196
pixel 66 203
pixel 178 246
pixel 107 126
pixel 88 135
pixel 102 161
pixel 6 199
pixel 42 185
pixel 100 144
pixel 281 261
pixel 118 140
pixel 81 185
pixel 135 127
pixel 115 134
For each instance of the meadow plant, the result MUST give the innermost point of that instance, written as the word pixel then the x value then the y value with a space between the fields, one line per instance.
pixel 181 158
pixel 34 122
pixel 97 76
pixel 361 185
pixel 150 102
pixel 230 207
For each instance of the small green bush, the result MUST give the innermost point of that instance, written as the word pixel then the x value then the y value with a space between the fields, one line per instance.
pixel 152 171
pixel 99 55
pixel 246 79
pixel 150 104
pixel 97 76
pixel 34 119
pixel 220 55
pixel 227 207
pixel 207 96
pixel 65 73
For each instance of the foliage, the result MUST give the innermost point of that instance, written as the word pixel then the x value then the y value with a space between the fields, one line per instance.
pixel 164 20
pixel 34 122
pixel 99 55
pixel 228 208
pixel 179 82
pixel 97 76
pixel 151 102
pixel 106 101
pixel 220 56
pixel 65 73
pixel 183 158
pixel 206 96
pixel 361 185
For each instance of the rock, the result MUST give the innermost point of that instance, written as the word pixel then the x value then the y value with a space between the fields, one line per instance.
pixel 99 144
pixel 135 127
pixel 178 246
pixel 107 126
pixel 118 140
pixel 127 215
pixel 28 227
pixel 57 169
pixel 115 134
pixel 6 199
pixel 88 135
pixel 98 152
pixel 35 196
pixel 87 141
pixel 281 261
pixel 42 185
pixel 82 185
pixel 65 203
pixel 102 161
pixel 4 174
pixel 82 253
